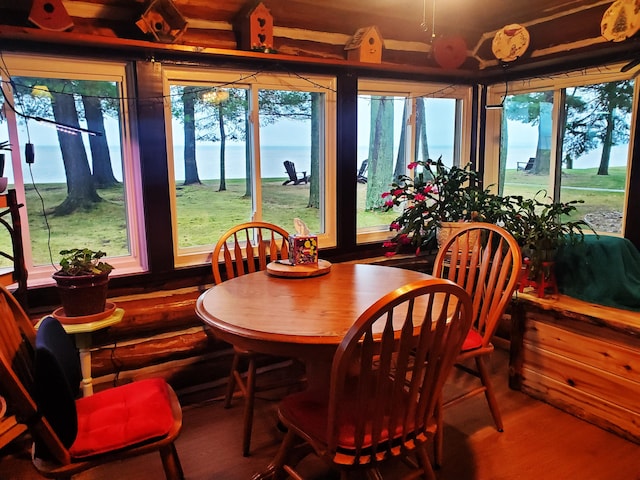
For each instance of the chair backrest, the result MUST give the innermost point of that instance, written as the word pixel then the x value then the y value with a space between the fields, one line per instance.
pixel 487 262
pixel 17 375
pixel 389 370
pixel 248 248
pixel 291 170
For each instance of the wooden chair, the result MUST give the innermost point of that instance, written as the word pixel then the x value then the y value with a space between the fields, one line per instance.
pixel 362 173
pixel 243 249
pixel 526 166
pixel 485 260
pixel 387 376
pixel 294 177
pixel 38 375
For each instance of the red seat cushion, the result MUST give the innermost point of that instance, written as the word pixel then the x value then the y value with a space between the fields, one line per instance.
pixel 309 412
pixel 122 416
pixel 472 341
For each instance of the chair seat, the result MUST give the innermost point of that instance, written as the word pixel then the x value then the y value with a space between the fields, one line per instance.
pixel 121 417
pixel 472 341
pixel 309 413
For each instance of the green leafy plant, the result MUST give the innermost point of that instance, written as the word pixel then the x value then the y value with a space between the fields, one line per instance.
pixel 82 261
pixel 541 226
pixel 435 194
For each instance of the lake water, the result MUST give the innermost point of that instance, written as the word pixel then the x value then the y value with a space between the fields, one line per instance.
pixel 48 165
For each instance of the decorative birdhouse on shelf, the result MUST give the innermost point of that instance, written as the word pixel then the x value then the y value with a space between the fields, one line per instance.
pixel 365 45
pixel 162 20
pixel 50 15
pixel 256 29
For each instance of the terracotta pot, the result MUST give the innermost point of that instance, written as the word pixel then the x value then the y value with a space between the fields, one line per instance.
pixel 83 294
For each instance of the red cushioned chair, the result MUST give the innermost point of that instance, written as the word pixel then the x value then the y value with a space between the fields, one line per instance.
pixel 74 434
pixel 486 262
pixel 386 379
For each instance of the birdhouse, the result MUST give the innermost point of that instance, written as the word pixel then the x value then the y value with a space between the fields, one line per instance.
pixel 365 46
pixel 256 29
pixel 50 15
pixel 162 20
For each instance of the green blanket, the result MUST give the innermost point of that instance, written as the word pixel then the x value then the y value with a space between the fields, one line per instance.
pixel 604 270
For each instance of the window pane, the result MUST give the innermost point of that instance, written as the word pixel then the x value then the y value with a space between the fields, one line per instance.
pixel 381 143
pixel 75 187
pixel 384 141
pixel 234 131
pixel 526 143
pixel 212 175
pixel 290 130
pixel 595 151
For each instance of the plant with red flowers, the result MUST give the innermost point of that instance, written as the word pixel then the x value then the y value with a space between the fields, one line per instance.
pixel 434 193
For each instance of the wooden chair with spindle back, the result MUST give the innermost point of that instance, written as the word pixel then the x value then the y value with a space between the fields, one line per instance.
pixel 40 376
pixel 386 379
pixel 243 249
pixel 485 260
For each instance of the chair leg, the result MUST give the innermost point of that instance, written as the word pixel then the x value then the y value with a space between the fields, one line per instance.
pixel 276 470
pixel 171 462
pixel 248 406
pixel 231 383
pixel 438 438
pixel 489 392
pixel 425 463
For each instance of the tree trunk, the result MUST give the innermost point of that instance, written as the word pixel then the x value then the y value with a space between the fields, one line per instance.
pixel 543 149
pixel 401 159
pixel 603 169
pixel 504 142
pixel 314 186
pixel 81 192
pixel 101 158
pixel 421 129
pixel 190 166
pixel 380 151
pixel 223 146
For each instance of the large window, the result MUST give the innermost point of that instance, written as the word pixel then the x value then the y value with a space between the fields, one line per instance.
pixel 230 134
pixel 569 141
pixel 399 122
pixel 70 160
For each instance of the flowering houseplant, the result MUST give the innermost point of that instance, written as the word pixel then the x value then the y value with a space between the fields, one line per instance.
pixel 435 194
pixel 540 228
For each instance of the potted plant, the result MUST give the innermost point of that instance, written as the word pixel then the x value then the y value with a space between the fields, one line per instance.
pixel 540 228
pixel 437 198
pixel 82 281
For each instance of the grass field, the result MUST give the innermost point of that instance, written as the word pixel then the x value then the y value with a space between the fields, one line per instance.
pixel 205 212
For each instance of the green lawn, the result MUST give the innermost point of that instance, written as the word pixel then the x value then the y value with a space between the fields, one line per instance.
pixel 205 212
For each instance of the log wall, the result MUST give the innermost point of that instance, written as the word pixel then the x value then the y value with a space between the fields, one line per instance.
pixel 580 357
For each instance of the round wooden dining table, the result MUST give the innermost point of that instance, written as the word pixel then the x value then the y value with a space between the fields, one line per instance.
pixel 304 317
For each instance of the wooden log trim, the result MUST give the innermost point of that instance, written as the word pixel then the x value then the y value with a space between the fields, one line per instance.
pixel 626 322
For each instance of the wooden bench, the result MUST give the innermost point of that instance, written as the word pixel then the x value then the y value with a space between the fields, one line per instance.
pixel 581 357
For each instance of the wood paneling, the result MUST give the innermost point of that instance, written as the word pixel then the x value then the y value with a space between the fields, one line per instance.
pixel 305 28
pixel 580 357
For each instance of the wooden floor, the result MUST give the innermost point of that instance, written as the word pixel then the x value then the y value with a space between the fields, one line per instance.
pixel 539 442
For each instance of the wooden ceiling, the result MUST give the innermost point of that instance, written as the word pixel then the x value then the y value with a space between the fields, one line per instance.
pixel 321 28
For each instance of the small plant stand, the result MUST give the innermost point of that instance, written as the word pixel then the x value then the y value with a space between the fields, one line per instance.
pixel 547 282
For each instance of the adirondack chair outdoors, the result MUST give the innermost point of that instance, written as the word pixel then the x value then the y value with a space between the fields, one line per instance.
pixel 362 173
pixel 294 177
pixel 526 166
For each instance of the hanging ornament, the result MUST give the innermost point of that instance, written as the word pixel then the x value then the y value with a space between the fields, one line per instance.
pixel 510 42
pixel 621 20
pixel 450 52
